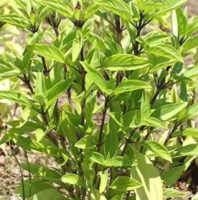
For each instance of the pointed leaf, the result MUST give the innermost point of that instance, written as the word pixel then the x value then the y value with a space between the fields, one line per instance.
pixel 168 111
pixel 149 177
pixel 65 9
pixel 125 183
pixel 15 97
pixel 124 62
pixel 47 51
pixel 172 175
pixel 15 20
pixel 118 7
pixel 97 78
pixel 166 51
pixel 56 91
pixel 131 85
pixel 158 149
pixel 73 179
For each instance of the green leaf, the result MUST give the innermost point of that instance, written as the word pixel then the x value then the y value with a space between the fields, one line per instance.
pixel 56 91
pixel 15 20
pixel 124 62
pixel 63 8
pixel 15 97
pixel 118 7
pixel 125 183
pixel 9 73
pixel 149 177
pixel 145 106
pixel 170 5
pixel 131 85
pixel 27 144
pixel 191 43
pixel 172 175
pixel 193 132
pixel 154 122
pixel 97 158
pixel 40 170
pixel 47 51
pixel 172 193
pixel 193 111
pixel 191 72
pixel 5 138
pixel 49 194
pixel 166 51
pixel 73 179
pixel 77 46
pixel 86 142
pixel 118 161
pixel 97 78
pixel 90 10
pixel 37 186
pixel 103 181
pixel 189 150
pixel 158 149
pixel 168 111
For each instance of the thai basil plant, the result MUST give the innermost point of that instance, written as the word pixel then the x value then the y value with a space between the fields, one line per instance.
pixel 125 129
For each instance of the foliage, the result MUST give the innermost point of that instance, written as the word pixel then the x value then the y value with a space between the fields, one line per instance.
pixel 129 56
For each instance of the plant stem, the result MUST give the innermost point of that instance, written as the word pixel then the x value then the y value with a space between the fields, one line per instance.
pixel 46 71
pixel 118 29
pixel 128 141
pixel 27 82
pixel 29 174
pixel 171 132
pixel 83 75
pixel 102 124
pixel 22 178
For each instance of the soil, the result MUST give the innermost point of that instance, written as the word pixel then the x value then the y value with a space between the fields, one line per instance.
pixel 10 173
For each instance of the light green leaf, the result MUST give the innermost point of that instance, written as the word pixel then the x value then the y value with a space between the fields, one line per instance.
pixel 49 194
pixel 47 51
pixel 103 181
pixel 145 106
pixel 77 46
pixel 193 111
pixel 9 73
pixel 168 111
pixel 118 161
pixel 15 20
pixel 172 193
pixel 86 142
pixel 40 170
pixel 158 149
pixel 124 62
pixel 73 179
pixel 149 177
pixel 154 122
pixel 118 7
pixel 90 10
pixel 193 132
pixel 191 43
pixel 125 183
pixel 56 91
pixel 97 78
pixel 65 9
pixel 97 158
pixel 15 97
pixel 131 85
pixel 191 72
pixel 172 175
pixel 166 51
